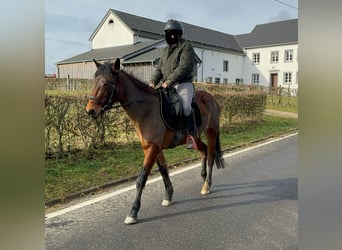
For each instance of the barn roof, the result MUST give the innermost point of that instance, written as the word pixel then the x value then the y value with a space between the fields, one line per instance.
pixel 268 34
pixel 111 52
pixel 152 55
pixel 148 56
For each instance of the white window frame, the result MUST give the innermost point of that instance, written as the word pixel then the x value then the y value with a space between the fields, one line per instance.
pixel 255 78
pixel 275 56
pixel 225 66
pixel 287 78
pixel 288 55
pixel 256 58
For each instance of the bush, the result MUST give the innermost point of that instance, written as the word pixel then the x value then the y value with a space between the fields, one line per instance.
pixel 241 106
pixel 68 127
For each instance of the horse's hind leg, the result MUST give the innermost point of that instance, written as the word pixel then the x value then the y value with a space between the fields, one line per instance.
pixel 211 140
pixel 206 175
pixel 167 182
pixel 203 149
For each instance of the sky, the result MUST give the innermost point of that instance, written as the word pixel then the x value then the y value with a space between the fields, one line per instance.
pixel 70 23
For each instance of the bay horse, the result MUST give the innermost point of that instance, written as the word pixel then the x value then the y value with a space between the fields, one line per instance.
pixel 142 104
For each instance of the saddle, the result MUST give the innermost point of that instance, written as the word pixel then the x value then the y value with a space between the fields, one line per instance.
pixel 171 110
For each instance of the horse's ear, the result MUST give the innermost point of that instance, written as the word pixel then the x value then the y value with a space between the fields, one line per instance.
pixel 117 64
pixel 96 63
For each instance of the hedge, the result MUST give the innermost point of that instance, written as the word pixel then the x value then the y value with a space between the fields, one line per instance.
pixel 68 127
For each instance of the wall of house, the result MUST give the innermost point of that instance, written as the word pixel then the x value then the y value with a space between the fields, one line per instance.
pixel 266 67
pixel 113 32
pixel 212 66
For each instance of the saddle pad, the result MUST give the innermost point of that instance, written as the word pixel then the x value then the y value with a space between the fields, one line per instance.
pixel 175 122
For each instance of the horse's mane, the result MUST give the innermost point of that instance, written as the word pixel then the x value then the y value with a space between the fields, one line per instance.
pixel 106 70
pixel 140 84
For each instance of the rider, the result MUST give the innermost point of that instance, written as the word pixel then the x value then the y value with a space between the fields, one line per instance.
pixel 175 69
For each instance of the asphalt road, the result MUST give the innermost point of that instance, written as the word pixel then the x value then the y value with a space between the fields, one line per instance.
pixel 253 205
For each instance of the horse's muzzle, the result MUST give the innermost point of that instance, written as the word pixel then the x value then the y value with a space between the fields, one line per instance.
pixel 91 112
pixel 94 113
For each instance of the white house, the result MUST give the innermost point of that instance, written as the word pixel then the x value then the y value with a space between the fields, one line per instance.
pixel 272 54
pixel 221 58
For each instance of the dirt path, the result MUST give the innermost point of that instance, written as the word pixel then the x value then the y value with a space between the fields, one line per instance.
pixel 280 113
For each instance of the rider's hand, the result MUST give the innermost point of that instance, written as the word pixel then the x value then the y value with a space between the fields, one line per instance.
pixel 166 84
pixel 151 84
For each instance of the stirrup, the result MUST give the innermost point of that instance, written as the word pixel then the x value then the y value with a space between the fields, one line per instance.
pixel 190 140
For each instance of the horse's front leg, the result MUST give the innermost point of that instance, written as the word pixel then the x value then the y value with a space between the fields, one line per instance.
pixel 162 166
pixel 150 151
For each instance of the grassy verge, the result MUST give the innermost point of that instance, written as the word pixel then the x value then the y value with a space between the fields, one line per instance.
pixel 282 103
pixel 82 170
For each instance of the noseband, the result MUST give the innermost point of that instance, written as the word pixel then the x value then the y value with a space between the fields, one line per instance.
pixel 112 91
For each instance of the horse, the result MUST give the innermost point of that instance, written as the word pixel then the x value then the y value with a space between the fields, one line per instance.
pixel 142 104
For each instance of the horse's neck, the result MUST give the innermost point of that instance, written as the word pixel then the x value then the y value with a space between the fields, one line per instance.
pixel 134 100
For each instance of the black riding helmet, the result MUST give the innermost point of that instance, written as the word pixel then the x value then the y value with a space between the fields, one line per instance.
pixel 173 31
pixel 173 25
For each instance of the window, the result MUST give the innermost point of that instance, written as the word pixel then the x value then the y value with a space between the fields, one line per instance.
pixel 256 58
pixel 110 21
pixel 217 80
pixel 255 78
pixel 225 66
pixel 289 55
pixel 209 79
pixel 287 78
pixel 274 56
pixel 225 80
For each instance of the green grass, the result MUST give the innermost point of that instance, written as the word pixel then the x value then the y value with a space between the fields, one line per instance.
pixel 282 103
pixel 85 169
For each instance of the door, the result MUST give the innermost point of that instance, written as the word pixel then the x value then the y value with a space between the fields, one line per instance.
pixel 274 80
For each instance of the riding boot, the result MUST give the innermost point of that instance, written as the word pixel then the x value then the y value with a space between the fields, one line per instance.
pixel 191 130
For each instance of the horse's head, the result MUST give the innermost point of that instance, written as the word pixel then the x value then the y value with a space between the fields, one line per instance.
pixel 104 92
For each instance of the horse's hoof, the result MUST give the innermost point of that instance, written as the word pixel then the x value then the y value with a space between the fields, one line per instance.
pixel 130 220
pixel 204 192
pixel 166 203
pixel 205 189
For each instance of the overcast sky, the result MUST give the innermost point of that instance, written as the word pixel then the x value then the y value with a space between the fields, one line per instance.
pixel 69 23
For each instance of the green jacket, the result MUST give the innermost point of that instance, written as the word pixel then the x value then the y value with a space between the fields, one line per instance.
pixel 176 64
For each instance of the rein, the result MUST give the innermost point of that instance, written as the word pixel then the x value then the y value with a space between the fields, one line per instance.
pixel 113 90
pixel 127 104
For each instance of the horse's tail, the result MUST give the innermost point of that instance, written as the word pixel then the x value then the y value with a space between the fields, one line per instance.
pixel 219 161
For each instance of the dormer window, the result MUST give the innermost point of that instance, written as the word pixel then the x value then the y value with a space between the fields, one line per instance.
pixel 110 21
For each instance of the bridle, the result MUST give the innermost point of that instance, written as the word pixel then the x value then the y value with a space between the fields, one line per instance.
pixel 113 91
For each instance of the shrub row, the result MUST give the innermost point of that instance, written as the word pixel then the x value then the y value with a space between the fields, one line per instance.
pixel 68 127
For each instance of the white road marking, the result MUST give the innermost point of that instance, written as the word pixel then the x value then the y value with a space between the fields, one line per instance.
pixel 132 187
